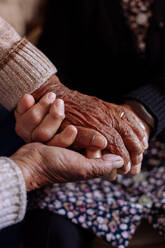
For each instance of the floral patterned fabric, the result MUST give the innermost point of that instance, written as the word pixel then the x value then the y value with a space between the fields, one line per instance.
pixel 138 14
pixel 113 210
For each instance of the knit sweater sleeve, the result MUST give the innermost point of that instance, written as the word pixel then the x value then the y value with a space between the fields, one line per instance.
pixel 12 193
pixel 152 96
pixel 23 68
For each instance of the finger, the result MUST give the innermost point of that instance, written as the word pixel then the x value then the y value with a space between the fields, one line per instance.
pixel 51 123
pixel 92 152
pixel 65 138
pixel 110 162
pixel 131 141
pixel 88 137
pixel 136 159
pixel 112 176
pixel 67 165
pixel 25 104
pixel 117 146
pixel 32 118
pixel 137 126
pixel 136 169
pixel 140 132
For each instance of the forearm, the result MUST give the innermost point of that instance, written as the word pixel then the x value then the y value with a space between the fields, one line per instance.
pixel 12 193
pixel 23 68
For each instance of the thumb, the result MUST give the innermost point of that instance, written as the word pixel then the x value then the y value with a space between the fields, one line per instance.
pixel 88 137
pixel 103 167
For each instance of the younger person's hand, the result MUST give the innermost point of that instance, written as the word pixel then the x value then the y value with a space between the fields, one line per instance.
pixel 40 121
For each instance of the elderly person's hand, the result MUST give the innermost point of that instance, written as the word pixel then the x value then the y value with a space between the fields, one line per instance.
pixel 40 122
pixel 126 133
pixel 42 164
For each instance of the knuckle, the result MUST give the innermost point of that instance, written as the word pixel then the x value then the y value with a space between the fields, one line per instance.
pixel 135 148
pixel 24 134
pixel 42 134
pixel 35 116
pixel 57 115
pixel 44 102
pixel 118 143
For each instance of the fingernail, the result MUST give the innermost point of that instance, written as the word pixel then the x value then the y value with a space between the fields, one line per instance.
pixel 60 106
pixel 116 160
pixel 128 166
pixel 51 97
pixel 145 142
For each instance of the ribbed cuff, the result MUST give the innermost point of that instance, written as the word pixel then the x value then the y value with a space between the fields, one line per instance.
pixel 12 193
pixel 153 99
pixel 22 70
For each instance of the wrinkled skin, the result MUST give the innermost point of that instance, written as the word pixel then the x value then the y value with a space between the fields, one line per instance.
pixel 41 164
pixel 40 121
pixel 127 134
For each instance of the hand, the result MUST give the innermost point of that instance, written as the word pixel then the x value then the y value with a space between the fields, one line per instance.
pixel 40 122
pixel 41 164
pixel 126 134
pixel 137 168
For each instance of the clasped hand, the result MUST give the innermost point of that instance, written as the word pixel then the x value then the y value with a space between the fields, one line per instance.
pixel 126 133
pixel 45 164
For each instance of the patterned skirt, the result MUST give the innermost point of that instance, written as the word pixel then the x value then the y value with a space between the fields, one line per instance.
pixel 112 210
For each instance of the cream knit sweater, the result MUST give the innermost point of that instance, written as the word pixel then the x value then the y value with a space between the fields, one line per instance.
pixel 23 69
pixel 21 13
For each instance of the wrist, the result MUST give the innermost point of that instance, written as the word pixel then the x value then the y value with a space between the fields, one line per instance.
pixel 52 84
pixel 141 112
pixel 13 193
pixel 25 173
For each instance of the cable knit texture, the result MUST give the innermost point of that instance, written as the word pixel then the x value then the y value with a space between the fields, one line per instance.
pixel 23 68
pixel 12 193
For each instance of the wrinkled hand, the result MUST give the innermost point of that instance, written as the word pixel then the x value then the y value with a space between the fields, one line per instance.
pixel 124 130
pixel 42 164
pixel 136 168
